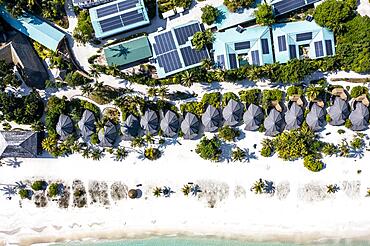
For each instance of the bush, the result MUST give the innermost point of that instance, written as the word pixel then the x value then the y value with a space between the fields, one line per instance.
pixel 348 123
pixel 228 133
pixel 264 15
pixel 267 148
pixel 94 139
pixel 341 131
pixel 250 96
pixel 53 189
pixel 233 5
pixel 209 14
pixel 83 32
pixel 202 39
pixel 327 118
pixel 23 193
pixel 227 97
pixel 330 149
pixel 192 107
pixel 357 143
pixel 213 99
pixel 358 91
pixel 152 153
pixel 38 185
pixel 294 90
pixel 271 95
pixel 313 164
pixel 209 149
pixel 75 79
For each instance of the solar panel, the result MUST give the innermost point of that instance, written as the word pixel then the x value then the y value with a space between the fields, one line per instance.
pixel 184 33
pixel 329 48
pixel 239 29
pixel 292 51
pixel 232 59
pixel 132 17
pixel 110 23
pixel 192 56
pixel 312 1
pixel 169 61
pixel 127 4
pixel 108 10
pixel 303 36
pixel 221 61
pixel 255 57
pixel 242 45
pixel 282 43
pixel 286 6
pixel 319 49
pixel 164 43
pixel 265 46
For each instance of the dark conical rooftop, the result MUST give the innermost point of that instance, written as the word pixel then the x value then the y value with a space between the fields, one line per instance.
pixel 131 127
pixel 107 135
pixel 170 124
pixel 294 117
pixel 274 123
pixel 150 122
pixel 211 119
pixel 359 117
pixel 64 126
pixel 190 126
pixel 315 119
pixel 87 124
pixel 233 113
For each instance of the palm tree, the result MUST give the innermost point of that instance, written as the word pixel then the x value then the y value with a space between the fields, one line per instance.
pixel 113 70
pixel 332 188
pixel 120 154
pixel 149 138
pixel 152 92
pixel 96 154
pixel 187 79
pixel 75 147
pixel 163 92
pixel 157 191
pixel 99 124
pixel 87 89
pixel 186 189
pixel 238 155
pixel 219 75
pixel 94 73
pixel 49 144
pixel 137 142
pixel 313 92
pixel 207 64
pixel 86 153
pixel 254 73
pixel 98 86
pixel 269 70
pixel 258 186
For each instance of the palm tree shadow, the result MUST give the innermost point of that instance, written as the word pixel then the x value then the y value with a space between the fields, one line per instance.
pixel 14 163
pixel 269 187
pixel 354 153
pixel 121 51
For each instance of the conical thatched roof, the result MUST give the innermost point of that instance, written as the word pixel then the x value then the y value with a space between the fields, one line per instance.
pixel 339 112
pixel 170 124
pixel 253 117
pixel 131 127
pixel 232 113
pixel 190 126
pixel 316 118
pixel 294 117
pixel 211 119
pixel 274 123
pixel 21 144
pixel 132 193
pixel 64 126
pixel 87 124
pixel 107 135
pixel 150 122
pixel 359 117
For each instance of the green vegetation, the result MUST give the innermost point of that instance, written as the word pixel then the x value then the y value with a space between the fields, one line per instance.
pixel 192 107
pixel 233 5
pixel 167 5
pixel 75 78
pixel 226 97
pixel 7 76
pixel 202 39
pixel 209 149
pixel 312 163
pixel 228 133
pixel 53 189
pixel 238 155
pixel 38 185
pixel 23 193
pixel 152 153
pixel 209 14
pixel 358 91
pixel 250 96
pixel 271 95
pixel 83 32
pixel 330 149
pixel 264 15
pixel 294 90
pixel 268 148
pixel 213 98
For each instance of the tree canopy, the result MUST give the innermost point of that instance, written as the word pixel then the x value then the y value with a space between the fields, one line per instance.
pixel 202 39
pixel 209 14
pixel 233 5
pixel 264 14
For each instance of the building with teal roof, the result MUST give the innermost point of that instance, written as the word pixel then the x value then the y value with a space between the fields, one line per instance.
pixel 302 39
pixel 35 28
pixel 237 46
pixel 128 52
pixel 118 16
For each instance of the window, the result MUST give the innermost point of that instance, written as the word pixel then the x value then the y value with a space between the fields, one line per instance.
pixel 329 48
pixel 292 52
pixel 319 49
pixel 282 43
pixel 255 57
pixel 265 46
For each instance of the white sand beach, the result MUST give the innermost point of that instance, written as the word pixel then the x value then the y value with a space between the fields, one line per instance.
pixel 300 209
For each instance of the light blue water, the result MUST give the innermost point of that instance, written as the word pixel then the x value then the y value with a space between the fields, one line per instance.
pixel 177 241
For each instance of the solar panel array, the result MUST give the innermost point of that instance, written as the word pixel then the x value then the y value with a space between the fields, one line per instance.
pixel 242 45
pixel 115 8
pixel 282 43
pixel 303 36
pixel 319 49
pixel 255 58
pixel 119 21
pixel 286 6
pixel 265 46
pixel 169 55
pixel 132 17
pixel 183 33
pixel 329 47
pixel 292 51
pixel 233 62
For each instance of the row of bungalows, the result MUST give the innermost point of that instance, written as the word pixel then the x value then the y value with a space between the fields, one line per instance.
pixel 258 46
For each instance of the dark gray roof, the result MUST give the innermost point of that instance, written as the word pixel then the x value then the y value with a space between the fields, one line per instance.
pixel 170 124
pixel 64 126
pixel 131 127
pixel 150 122
pixel 21 144
pixel 338 112
pixel 315 119
pixel 359 117
pixel 274 123
pixel 87 124
pixel 233 113
pixel 211 119
pixel 190 126
pixel 107 135
pixel 253 117
pixel 294 117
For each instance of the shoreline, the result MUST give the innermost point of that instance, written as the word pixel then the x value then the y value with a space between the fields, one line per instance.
pixel 308 238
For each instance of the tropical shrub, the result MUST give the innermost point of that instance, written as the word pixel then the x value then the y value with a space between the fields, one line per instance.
pixel 267 147
pixel 358 91
pixel 228 133
pixel 209 149
pixel 83 32
pixel 192 107
pixel 357 143
pixel 250 96
pixel 75 79
pixel 209 14
pixel 271 95
pixel 202 39
pixel 38 185
pixel 294 90
pixel 348 123
pixel 53 189
pixel 23 193
pixel 226 97
pixel 233 5
pixel 264 14
pixel 330 149
pixel 312 163
pixel 213 98
pixel 152 153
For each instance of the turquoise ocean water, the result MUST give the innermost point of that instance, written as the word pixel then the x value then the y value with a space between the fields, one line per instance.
pixel 180 241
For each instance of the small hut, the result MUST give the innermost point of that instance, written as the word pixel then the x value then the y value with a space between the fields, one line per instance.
pixel 131 127
pixel 253 117
pixel 233 113
pixel 274 123
pixel 87 124
pixel 294 117
pixel 107 135
pixel 211 119
pixel 359 117
pixel 316 118
pixel 150 122
pixel 338 112
pixel 170 124
pixel 64 126
pixel 190 126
